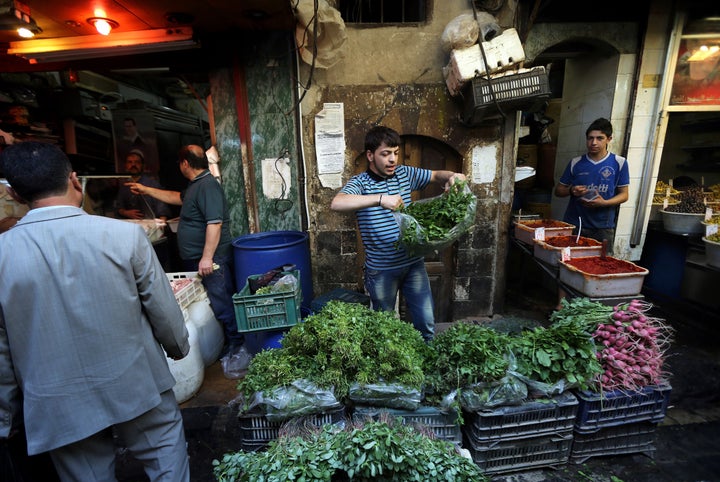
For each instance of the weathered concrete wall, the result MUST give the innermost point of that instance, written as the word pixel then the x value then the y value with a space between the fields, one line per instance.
pixel 392 75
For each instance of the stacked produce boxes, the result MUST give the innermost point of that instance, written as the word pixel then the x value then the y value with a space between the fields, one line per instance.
pixel 618 422
pixel 511 438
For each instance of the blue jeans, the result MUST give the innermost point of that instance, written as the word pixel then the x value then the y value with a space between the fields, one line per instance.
pixel 220 287
pixel 413 282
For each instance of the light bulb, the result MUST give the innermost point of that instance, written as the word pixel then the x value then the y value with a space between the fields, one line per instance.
pixel 25 33
pixel 103 26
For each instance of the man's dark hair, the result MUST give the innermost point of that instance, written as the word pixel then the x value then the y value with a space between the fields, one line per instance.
pixel 36 170
pixel 379 134
pixel 195 156
pixel 602 124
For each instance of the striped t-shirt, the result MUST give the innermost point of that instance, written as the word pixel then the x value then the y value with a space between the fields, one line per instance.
pixel 378 229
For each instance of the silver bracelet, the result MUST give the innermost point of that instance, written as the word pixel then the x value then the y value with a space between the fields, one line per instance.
pixel 380 200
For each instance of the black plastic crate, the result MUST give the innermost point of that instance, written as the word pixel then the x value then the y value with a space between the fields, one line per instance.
pixel 608 409
pixel 549 451
pixel 629 438
pixel 444 425
pixel 531 419
pixel 340 294
pixel 256 431
pixel 525 91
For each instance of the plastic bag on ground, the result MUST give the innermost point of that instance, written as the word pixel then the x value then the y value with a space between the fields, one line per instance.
pixel 236 362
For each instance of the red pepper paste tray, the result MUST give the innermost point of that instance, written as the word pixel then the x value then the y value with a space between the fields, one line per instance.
pixel 598 277
pixel 525 231
pixel 551 249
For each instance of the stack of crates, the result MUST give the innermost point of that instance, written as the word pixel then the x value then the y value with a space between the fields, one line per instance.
pixel 256 431
pixel 510 438
pixel 618 422
pixel 442 425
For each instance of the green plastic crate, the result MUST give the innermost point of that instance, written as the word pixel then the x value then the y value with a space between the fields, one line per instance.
pixel 269 311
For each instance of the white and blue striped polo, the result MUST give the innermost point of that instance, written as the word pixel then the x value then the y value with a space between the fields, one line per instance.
pixel 378 229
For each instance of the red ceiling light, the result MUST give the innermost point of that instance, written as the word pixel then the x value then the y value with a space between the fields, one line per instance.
pixel 103 25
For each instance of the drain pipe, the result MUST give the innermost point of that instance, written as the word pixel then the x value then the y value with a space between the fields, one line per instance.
pixel 647 188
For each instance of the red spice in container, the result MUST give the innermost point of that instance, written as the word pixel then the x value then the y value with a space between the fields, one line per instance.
pixel 544 223
pixel 571 242
pixel 607 265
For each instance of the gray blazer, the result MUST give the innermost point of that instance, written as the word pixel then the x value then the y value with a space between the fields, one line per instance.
pixel 85 312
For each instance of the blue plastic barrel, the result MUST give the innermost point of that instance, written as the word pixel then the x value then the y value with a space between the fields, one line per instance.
pixel 260 252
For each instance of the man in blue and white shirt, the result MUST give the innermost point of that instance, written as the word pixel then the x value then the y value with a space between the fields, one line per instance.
pixel 597 183
pixel 373 196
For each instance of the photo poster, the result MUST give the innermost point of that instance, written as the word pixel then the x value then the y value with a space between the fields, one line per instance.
pixel 134 129
pixel 697 74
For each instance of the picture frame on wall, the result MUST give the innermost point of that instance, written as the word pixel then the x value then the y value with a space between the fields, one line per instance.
pixel 134 130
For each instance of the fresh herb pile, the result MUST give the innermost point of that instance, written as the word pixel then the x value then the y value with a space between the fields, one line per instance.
pixel 433 223
pixel 562 352
pixel 380 451
pixel 466 354
pixel 342 344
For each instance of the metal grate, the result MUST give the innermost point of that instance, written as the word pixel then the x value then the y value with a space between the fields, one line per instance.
pixel 383 11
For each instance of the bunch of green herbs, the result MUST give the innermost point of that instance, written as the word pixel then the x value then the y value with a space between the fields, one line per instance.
pixel 381 451
pixel 466 354
pixel 433 219
pixel 564 351
pixel 342 344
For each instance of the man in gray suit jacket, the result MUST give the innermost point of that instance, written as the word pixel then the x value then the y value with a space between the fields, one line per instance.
pixel 85 313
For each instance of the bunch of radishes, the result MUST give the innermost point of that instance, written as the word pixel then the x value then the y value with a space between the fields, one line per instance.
pixel 631 347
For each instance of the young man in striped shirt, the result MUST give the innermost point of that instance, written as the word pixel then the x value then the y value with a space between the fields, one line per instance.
pixel 373 196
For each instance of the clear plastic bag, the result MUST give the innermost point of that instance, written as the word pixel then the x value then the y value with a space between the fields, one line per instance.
pixel 416 238
pixel 236 362
pixel 301 397
pixel 388 395
pixel 509 390
pixel 287 282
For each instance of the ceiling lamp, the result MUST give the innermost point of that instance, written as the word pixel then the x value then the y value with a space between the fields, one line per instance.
pixel 103 25
pixel 94 46
pixel 16 16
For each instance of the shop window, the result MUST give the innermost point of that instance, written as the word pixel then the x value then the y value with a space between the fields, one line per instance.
pixel 383 11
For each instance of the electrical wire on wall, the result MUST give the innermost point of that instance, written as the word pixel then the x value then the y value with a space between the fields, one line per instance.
pixel 314 22
pixel 282 205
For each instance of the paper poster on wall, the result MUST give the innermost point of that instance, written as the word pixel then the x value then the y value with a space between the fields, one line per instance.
pixel 697 74
pixel 276 179
pixel 484 164
pixel 330 143
pixel 134 130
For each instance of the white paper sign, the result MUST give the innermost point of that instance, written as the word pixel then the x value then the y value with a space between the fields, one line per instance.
pixel 711 229
pixel 708 214
pixel 330 138
pixel 276 180
pixel 540 234
pixel 484 164
pixel 565 253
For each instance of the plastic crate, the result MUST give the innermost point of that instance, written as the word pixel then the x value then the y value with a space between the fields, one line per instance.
pixel 190 293
pixel 621 439
pixel 256 431
pixel 531 419
pixel 525 91
pixel 444 425
pixel 608 409
pixel 551 451
pixel 269 311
